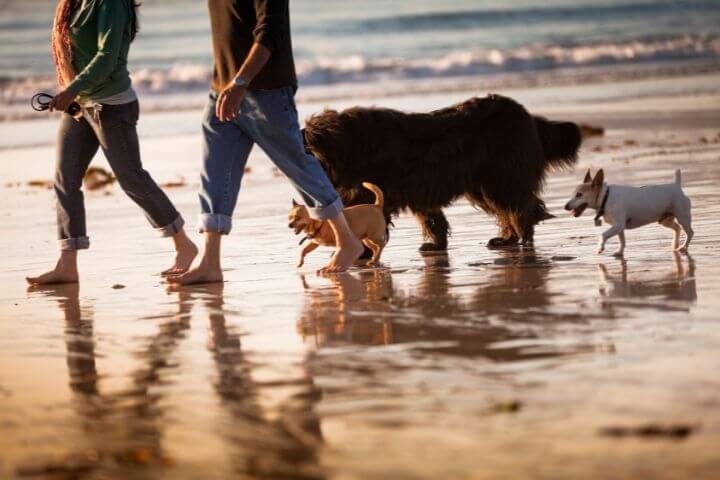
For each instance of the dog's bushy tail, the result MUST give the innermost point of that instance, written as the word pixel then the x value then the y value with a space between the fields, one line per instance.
pixel 560 140
pixel 379 197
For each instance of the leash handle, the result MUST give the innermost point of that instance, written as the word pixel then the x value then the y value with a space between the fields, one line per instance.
pixel 40 102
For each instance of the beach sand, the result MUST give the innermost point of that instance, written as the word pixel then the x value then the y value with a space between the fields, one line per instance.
pixel 550 363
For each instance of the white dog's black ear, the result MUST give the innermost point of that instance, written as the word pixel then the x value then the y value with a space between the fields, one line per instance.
pixel 599 178
pixel 295 204
pixel 588 177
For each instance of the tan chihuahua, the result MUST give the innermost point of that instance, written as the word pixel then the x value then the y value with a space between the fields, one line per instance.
pixel 366 221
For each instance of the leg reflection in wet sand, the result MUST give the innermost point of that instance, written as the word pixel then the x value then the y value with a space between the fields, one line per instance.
pixel 281 442
pixel 671 291
pixel 123 429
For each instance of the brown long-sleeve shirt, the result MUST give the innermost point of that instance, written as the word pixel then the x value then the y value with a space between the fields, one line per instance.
pixel 236 26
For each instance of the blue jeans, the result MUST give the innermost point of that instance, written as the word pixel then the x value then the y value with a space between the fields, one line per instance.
pixel 267 118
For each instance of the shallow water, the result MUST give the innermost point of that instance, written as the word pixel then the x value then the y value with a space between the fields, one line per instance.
pixel 471 364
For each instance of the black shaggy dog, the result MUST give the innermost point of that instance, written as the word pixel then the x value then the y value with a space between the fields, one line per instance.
pixel 490 150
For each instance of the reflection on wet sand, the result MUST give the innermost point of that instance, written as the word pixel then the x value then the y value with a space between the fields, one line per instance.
pixel 676 290
pixel 437 315
pixel 281 445
pixel 125 428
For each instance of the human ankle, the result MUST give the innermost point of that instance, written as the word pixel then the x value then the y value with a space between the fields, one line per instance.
pixel 181 240
pixel 67 260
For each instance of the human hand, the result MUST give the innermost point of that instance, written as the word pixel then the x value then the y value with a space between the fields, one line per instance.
pixel 61 102
pixel 228 102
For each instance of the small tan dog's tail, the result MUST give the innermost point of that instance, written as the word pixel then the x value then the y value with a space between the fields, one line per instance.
pixel 678 177
pixel 379 196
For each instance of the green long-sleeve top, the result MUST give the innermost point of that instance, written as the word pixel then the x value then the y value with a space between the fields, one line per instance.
pixel 100 32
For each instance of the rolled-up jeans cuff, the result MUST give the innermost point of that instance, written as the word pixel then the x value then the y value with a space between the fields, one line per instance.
pixel 172 228
pixel 215 222
pixel 77 243
pixel 328 212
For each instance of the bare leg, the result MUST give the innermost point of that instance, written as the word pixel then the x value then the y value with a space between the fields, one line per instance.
pixel 185 253
pixel 209 270
pixel 348 246
pixel 65 271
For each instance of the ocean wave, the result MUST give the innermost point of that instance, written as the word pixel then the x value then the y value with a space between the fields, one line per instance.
pixel 486 61
pixel 356 70
pixel 494 17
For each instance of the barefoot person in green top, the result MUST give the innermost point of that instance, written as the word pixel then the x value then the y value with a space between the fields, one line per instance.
pixel 91 40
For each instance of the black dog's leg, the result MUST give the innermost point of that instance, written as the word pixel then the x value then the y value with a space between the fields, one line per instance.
pixel 435 228
pixel 507 234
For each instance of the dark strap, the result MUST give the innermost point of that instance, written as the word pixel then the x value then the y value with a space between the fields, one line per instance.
pixel 312 235
pixel 601 211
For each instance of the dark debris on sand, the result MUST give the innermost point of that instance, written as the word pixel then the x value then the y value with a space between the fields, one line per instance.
pixel 676 431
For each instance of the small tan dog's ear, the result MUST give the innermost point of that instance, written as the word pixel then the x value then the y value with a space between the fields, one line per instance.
pixel 588 177
pixel 599 178
pixel 295 204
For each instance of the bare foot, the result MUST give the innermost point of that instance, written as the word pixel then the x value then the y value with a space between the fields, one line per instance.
pixel 64 272
pixel 203 273
pixel 344 258
pixel 185 253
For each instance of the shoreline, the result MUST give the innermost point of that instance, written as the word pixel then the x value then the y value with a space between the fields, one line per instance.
pixel 16 96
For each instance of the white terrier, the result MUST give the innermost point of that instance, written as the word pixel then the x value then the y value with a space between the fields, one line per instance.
pixel 631 207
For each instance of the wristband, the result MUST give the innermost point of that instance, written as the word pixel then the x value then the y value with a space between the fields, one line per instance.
pixel 240 82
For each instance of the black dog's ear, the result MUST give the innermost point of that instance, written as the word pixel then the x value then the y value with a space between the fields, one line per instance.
pixel 599 178
pixel 588 177
pixel 295 204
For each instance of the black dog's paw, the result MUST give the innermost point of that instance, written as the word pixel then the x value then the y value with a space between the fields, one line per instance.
pixel 433 247
pixel 500 242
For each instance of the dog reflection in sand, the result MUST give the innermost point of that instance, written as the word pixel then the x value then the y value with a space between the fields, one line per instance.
pixel 367 222
pixel 677 286
pixel 432 314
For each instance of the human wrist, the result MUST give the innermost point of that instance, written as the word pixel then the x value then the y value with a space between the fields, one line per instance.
pixel 240 81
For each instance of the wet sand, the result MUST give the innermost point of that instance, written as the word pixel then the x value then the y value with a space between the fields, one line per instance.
pixel 552 363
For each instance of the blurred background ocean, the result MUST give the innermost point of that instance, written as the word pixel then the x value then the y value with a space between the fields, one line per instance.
pixel 355 48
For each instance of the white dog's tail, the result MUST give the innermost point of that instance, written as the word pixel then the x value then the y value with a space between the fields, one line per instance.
pixel 379 197
pixel 678 177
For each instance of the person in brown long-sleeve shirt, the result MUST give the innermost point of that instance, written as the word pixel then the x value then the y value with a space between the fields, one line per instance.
pixel 252 102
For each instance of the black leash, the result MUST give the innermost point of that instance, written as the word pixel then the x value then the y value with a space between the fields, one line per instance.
pixel 601 212
pixel 40 102
pixel 310 236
